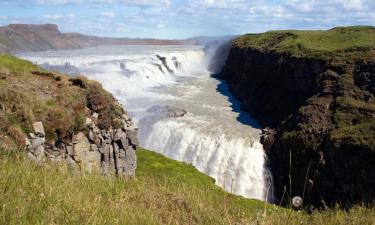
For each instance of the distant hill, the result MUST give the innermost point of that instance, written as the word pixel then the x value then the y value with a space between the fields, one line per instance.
pixel 27 37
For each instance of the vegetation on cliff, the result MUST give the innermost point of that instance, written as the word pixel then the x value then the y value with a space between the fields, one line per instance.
pixel 316 89
pixel 340 41
pixel 61 103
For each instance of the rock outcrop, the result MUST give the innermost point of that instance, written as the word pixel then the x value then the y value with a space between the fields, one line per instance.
pixel 58 118
pixel 108 152
pixel 319 107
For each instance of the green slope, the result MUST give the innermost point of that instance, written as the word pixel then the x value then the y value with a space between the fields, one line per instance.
pixel 164 192
pixel 319 43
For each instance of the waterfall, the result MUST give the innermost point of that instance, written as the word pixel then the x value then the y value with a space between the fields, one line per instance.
pixel 214 135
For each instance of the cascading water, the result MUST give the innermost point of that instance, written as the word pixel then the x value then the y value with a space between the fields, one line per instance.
pixel 156 84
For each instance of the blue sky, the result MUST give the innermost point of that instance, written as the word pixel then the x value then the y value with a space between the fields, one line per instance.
pixel 186 18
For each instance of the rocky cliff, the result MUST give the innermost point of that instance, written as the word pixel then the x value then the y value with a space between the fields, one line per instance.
pixel 29 37
pixel 314 91
pixel 56 118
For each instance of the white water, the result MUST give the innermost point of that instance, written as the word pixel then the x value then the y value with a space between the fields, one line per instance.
pixel 214 136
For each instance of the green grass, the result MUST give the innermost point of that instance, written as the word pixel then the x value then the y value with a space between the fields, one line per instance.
pixel 319 43
pixel 164 192
pixel 15 65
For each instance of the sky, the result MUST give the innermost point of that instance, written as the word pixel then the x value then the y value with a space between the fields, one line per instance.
pixel 177 19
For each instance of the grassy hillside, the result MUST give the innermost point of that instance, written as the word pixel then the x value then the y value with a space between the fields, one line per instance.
pixel 29 94
pixel 327 43
pixel 164 192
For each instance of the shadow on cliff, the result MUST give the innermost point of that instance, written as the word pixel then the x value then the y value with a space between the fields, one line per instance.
pixel 242 117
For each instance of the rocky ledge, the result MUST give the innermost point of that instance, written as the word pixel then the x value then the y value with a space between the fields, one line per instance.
pixel 108 152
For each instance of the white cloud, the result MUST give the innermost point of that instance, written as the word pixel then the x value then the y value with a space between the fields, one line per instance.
pixel 53 16
pixel 108 14
pixel 147 3
pixel 59 16
pixel 57 2
pixel 3 17
pixel 352 4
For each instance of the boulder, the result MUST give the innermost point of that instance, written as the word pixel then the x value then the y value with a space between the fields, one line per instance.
pixel 88 121
pixel 39 129
pixel 81 147
pixel 119 134
pixel 175 112
pixel 130 161
pixel 132 136
pixel 70 150
pixel 124 143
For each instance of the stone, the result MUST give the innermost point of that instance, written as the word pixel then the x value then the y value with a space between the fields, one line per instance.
pixel 35 143
pixel 130 161
pixel 31 156
pixel 91 135
pixel 132 136
pixel 94 148
pixel 124 143
pixel 81 146
pixel 116 148
pixel 122 154
pixel 70 150
pixel 38 152
pixel 93 162
pixel 32 135
pixel 72 165
pixel 49 145
pixel 119 134
pixel 175 112
pixel 39 129
pixel 27 142
pixel 88 121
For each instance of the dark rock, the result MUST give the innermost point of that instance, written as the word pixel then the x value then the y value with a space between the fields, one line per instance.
pixel 165 64
pixel 176 63
pixel 308 103
pixel 175 112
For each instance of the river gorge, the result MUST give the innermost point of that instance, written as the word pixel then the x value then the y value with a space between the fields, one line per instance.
pixel 181 110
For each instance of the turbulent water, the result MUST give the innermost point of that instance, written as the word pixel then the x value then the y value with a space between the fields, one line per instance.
pixel 214 135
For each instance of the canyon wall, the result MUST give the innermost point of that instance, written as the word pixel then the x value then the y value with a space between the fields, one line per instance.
pixel 318 109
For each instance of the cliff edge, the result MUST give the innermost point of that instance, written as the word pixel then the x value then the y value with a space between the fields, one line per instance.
pixel 64 119
pixel 315 93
